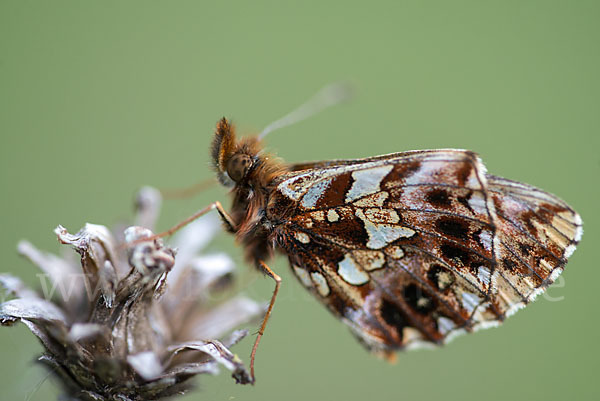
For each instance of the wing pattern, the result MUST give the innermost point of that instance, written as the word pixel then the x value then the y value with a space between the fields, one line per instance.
pixel 413 248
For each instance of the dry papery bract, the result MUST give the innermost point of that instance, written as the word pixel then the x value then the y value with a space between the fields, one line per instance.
pixel 131 320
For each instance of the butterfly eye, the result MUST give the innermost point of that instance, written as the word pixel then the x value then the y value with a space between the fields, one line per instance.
pixel 238 166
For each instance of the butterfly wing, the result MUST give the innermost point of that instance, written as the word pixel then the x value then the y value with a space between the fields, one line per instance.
pixel 403 247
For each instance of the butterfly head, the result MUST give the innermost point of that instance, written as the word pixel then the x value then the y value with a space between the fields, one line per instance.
pixel 233 159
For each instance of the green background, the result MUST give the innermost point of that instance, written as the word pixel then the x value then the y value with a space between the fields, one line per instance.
pixel 99 98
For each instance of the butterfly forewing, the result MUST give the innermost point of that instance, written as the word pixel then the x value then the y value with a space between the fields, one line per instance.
pixel 408 248
pixel 537 232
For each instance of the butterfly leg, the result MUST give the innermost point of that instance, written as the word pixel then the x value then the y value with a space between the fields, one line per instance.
pixel 215 205
pixel 261 330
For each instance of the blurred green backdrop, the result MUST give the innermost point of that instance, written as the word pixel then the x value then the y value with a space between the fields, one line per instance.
pixel 99 98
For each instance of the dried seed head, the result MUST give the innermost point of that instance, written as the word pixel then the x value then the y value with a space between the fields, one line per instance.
pixel 134 323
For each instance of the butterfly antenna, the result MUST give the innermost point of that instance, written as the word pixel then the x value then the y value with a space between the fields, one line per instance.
pixel 330 95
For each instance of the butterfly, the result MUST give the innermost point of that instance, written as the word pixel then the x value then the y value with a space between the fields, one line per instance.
pixel 407 249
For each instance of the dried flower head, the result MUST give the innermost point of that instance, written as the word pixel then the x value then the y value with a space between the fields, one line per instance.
pixel 129 322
